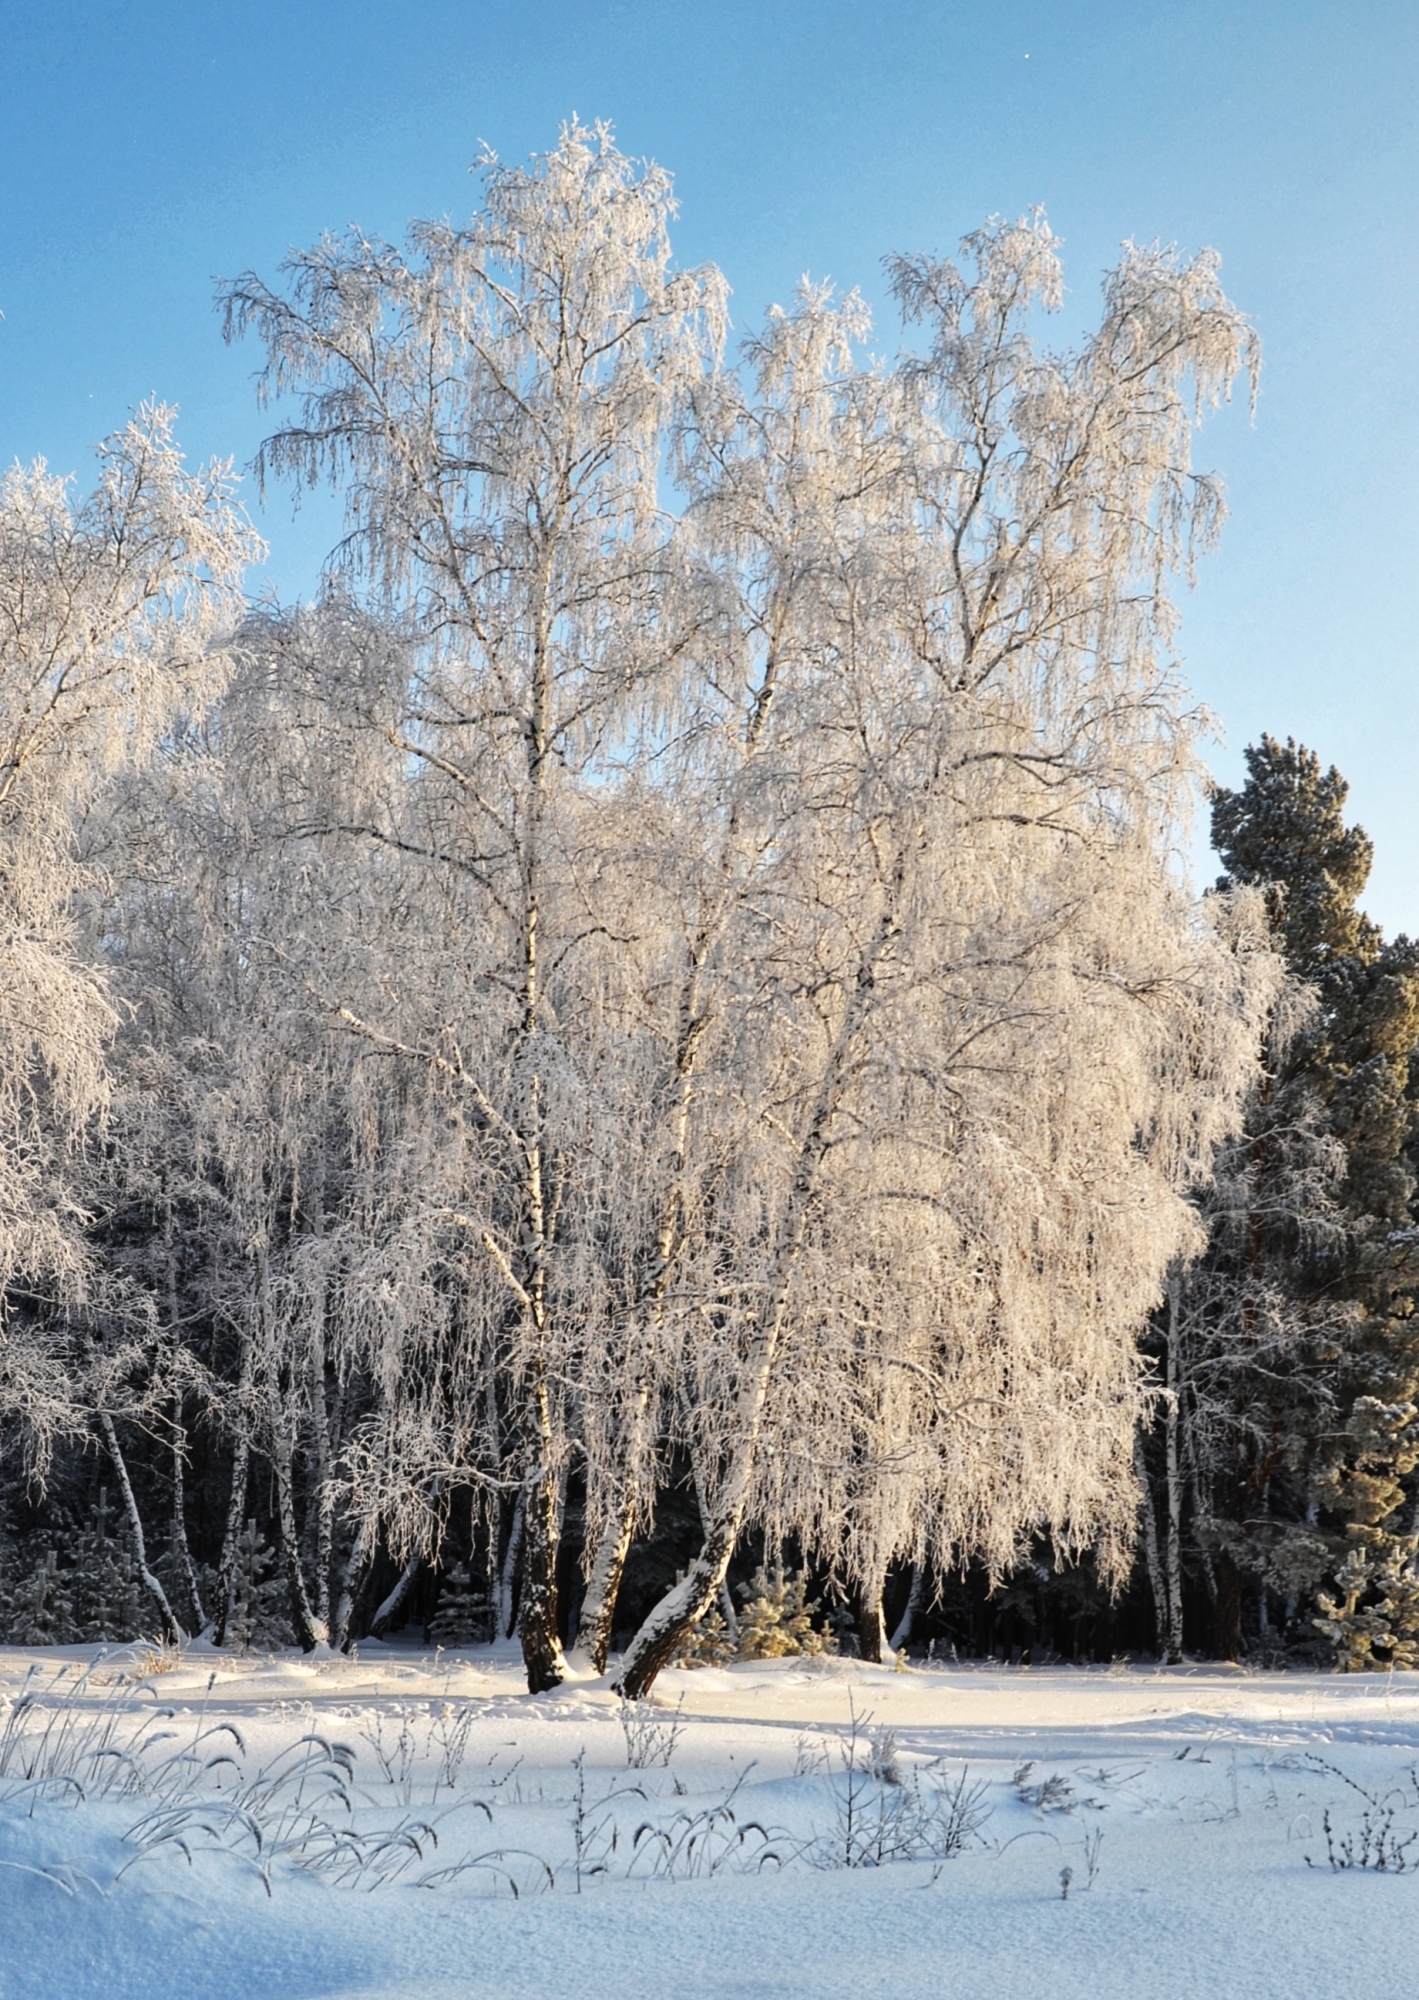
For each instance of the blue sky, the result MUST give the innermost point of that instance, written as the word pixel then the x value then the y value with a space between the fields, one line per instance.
pixel 151 147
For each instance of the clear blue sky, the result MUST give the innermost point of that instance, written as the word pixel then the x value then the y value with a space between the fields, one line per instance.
pixel 150 147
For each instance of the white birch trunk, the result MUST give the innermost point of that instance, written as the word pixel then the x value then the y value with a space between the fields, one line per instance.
pixel 685 1604
pixel 1172 1418
pixel 172 1629
pixel 916 1597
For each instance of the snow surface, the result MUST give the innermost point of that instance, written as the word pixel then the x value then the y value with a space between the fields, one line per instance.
pixel 1208 1788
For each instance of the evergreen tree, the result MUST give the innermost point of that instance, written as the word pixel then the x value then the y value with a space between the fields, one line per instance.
pixel 258 1614
pixel 1352 1070
pixel 108 1598
pixel 1246 1349
pixel 777 1618
pixel 36 1609
pixel 464 1616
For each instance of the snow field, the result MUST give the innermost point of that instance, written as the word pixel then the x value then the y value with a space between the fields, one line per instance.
pixel 266 1837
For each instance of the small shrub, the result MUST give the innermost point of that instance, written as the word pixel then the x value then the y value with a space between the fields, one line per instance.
pixel 882 1813
pixel 777 1619
pixel 151 1657
pixel 1377 1844
pixel 651 1735
pixel 1052 1794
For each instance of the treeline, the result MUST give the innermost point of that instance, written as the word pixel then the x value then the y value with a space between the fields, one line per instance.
pixel 651 1038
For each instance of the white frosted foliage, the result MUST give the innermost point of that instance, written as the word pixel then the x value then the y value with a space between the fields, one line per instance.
pixel 110 609
pixel 728 823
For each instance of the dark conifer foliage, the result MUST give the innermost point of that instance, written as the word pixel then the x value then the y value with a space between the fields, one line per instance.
pixel 1360 1055
pixel 1289 1348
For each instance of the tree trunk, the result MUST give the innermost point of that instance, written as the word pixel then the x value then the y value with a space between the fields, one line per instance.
pixel 915 1598
pixel 1150 1548
pixel 227 1564
pixel 309 1633
pixel 1172 1418
pixel 324 1516
pixel 236 1503
pixel 537 1619
pixel 181 1553
pixel 598 1610
pixel 683 1607
pixel 351 1578
pixel 872 1629
pixel 509 1574
pixel 393 1604
pixel 537 1615
pixel 872 1623
pixel 726 1600
pixel 172 1630
pixel 320 1423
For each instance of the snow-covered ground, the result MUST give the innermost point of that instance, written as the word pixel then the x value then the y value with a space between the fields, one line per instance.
pixel 357 1827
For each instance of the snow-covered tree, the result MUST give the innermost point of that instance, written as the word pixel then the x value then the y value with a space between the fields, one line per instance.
pixel 111 610
pixel 1354 1060
pixel 285 1257
pixel 773 878
pixel 493 403
pixel 1246 1345
pixel 963 1068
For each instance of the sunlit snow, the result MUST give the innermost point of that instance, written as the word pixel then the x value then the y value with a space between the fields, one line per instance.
pixel 1188 1807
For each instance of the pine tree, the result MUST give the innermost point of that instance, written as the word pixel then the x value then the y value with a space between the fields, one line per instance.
pixel 37 1610
pixel 1284 831
pixel 258 1615
pixel 1245 1348
pixel 464 1616
pixel 707 1644
pixel 777 1619
pixel 109 1602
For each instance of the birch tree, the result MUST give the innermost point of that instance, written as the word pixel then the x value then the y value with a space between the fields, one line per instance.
pixel 305 1176
pixel 779 896
pixel 111 609
pixel 492 403
pixel 953 1020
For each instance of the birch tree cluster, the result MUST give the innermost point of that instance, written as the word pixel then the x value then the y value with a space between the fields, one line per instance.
pixel 670 984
